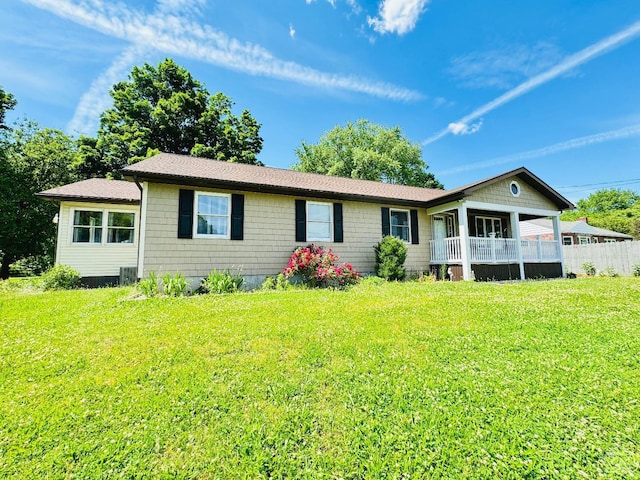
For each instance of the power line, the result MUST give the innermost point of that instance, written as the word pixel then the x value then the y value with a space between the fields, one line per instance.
pixel 616 182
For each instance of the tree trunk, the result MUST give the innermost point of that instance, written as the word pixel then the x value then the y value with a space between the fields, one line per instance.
pixel 4 270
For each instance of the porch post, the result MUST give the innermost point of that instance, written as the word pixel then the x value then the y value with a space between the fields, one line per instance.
pixel 465 248
pixel 557 236
pixel 515 233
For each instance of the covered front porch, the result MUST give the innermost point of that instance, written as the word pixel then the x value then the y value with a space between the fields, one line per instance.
pixel 482 241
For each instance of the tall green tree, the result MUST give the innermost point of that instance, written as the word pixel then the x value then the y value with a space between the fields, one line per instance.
pixel 367 151
pixel 33 160
pixel 165 109
pixel 612 209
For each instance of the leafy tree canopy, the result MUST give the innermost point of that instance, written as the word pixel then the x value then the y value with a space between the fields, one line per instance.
pixel 612 209
pixel 32 160
pixel 165 109
pixel 7 102
pixel 367 151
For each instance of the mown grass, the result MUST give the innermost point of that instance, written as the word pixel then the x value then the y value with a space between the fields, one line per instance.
pixel 412 380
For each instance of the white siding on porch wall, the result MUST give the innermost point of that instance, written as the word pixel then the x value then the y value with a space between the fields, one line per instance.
pixel 92 260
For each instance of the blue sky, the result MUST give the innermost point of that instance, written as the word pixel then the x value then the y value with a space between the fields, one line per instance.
pixel 485 87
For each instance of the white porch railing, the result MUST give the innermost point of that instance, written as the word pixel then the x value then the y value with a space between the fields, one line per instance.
pixel 446 251
pixel 494 250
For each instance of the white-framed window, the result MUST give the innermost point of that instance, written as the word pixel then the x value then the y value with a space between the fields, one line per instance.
pixel 212 213
pixel 319 221
pixel 594 240
pixel 489 227
pixel 584 240
pixel 610 240
pixel 514 188
pixel 88 226
pixel 121 227
pixel 567 240
pixel 400 224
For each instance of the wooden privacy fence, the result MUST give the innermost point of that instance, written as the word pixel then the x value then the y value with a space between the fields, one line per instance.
pixel 620 256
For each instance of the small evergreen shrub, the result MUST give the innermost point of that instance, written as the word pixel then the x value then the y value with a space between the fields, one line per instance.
pixel 60 277
pixel 149 286
pixel 589 268
pixel 221 282
pixel 391 252
pixel 635 270
pixel 279 282
pixel 317 268
pixel 174 285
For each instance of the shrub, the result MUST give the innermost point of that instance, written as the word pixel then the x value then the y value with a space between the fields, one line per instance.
pixel 635 270
pixel 174 285
pixel 589 268
pixel 31 266
pixel 391 252
pixel 317 268
pixel 60 277
pixel 221 282
pixel 279 282
pixel 149 286
pixel 609 272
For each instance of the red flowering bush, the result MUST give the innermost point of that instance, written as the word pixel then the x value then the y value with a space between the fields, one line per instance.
pixel 317 268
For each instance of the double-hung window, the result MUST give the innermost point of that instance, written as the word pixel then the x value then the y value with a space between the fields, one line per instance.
pixel 121 227
pixel 213 215
pixel 90 226
pixel 319 221
pixel 87 226
pixel 400 225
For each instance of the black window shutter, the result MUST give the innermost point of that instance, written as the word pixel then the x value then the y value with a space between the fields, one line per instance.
pixel 301 221
pixel 237 216
pixel 185 214
pixel 414 227
pixel 386 222
pixel 337 223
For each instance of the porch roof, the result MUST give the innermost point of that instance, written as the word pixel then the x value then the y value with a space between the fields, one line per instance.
pixel 522 173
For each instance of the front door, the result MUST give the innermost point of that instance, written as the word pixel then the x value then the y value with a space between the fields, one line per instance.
pixel 439 228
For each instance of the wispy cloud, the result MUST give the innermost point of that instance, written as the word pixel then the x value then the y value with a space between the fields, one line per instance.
pixel 292 31
pixel 464 129
pixel 180 35
pixel 97 99
pixel 631 131
pixel 503 68
pixel 569 63
pixel 397 16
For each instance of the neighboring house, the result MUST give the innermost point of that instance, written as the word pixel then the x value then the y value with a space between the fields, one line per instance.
pixel 573 233
pixel 198 214
pixel 97 228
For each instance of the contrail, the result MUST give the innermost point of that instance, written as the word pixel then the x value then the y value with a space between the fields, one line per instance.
pixel 566 65
pixel 631 131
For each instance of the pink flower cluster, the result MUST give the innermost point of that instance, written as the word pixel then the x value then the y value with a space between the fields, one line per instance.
pixel 318 268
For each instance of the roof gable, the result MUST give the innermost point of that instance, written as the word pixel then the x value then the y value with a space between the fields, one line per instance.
pixel 521 174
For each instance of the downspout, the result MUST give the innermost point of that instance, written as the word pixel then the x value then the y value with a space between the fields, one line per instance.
pixel 135 179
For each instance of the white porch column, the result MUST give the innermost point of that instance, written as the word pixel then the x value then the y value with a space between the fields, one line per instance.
pixel 465 248
pixel 557 236
pixel 515 233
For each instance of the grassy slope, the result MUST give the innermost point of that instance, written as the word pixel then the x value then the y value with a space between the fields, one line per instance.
pixel 470 380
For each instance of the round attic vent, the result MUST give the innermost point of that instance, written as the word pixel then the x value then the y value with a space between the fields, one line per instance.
pixel 515 189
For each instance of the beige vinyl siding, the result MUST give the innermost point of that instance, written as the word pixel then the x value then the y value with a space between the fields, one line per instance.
pixel 269 236
pixel 94 260
pixel 500 193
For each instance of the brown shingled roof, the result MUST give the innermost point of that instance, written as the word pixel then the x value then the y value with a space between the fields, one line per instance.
pixel 97 190
pixel 185 170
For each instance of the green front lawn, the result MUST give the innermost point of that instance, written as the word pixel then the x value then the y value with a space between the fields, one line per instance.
pixel 409 380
